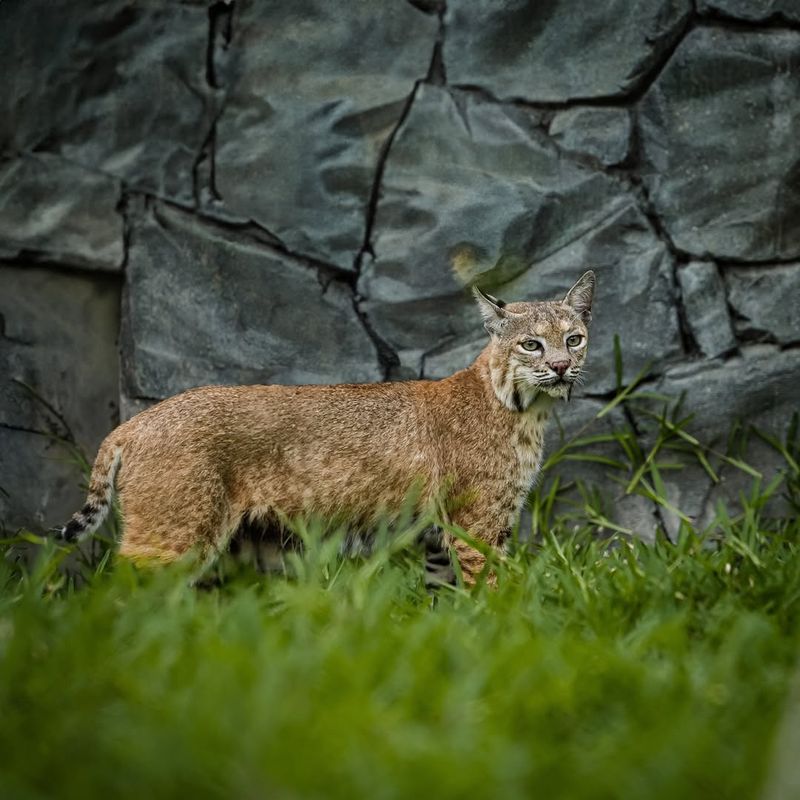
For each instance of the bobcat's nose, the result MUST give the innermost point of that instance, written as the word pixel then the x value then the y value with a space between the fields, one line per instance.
pixel 559 367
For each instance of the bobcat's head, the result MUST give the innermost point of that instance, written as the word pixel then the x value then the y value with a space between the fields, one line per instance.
pixel 537 347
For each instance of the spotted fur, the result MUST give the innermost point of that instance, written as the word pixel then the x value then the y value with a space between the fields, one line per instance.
pixel 192 469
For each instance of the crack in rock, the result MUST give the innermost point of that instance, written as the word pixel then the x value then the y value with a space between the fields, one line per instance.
pixel 209 308
pixel 324 114
pixel 220 34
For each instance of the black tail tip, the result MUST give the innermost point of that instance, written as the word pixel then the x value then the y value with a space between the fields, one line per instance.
pixel 71 531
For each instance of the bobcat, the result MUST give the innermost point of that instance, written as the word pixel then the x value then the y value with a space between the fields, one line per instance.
pixel 189 470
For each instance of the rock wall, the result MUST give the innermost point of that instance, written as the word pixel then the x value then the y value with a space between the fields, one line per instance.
pixel 301 192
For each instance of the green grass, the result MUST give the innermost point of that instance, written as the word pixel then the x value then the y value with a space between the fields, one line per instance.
pixel 599 668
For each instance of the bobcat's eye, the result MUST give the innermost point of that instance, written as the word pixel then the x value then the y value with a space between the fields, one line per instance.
pixel 531 345
pixel 574 340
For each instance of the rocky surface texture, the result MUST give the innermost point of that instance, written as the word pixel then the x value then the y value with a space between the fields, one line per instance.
pixel 304 192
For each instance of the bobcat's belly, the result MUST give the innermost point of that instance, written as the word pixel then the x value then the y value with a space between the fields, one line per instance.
pixel 357 491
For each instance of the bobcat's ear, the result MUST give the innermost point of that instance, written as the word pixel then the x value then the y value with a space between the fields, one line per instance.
pixel 579 297
pixel 492 310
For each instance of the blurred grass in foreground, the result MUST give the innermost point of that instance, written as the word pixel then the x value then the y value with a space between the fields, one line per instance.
pixel 599 668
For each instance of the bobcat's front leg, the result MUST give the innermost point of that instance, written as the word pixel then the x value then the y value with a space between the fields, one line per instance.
pixel 472 563
pixel 489 527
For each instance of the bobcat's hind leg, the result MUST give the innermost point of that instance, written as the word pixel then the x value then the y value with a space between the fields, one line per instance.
pixel 144 553
pixel 160 527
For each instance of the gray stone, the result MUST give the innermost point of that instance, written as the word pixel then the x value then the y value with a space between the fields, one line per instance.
pixel 718 194
pixel 755 389
pixel 550 51
pixel 753 10
pixel 60 212
pixel 131 406
pixel 58 336
pixel 115 86
pixel 766 300
pixel 706 308
pixel 473 191
pixel 40 486
pixel 304 122
pixel 438 362
pixel 202 308
pixel 604 133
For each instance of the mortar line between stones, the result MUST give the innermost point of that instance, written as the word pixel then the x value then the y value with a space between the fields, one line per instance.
pixel 440 347
pixel 383 156
pixel 387 356
pixel 650 75
pixel 123 210
pixel 217 12
pixel 752 334
pixel 277 245
pixel 728 261
pixel 249 233
pixel 206 151
pixel 625 98
pixel 688 342
pixel 638 188
pixel 144 397
pixel 220 14
pixel 633 95
pixel 437 72
pixel 717 18
pixel 374 196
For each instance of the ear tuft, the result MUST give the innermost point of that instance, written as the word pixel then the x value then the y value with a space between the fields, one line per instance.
pixel 491 308
pixel 580 296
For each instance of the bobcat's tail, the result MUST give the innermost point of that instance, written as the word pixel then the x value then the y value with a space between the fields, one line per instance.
pixel 101 488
